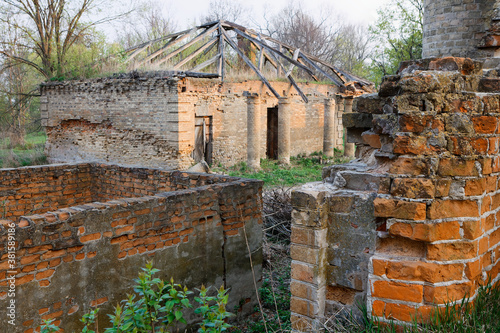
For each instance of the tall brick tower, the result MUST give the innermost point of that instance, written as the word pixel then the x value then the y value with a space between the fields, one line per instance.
pixel 461 28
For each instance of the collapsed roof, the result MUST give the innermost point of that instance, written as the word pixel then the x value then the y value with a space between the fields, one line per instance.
pixel 183 49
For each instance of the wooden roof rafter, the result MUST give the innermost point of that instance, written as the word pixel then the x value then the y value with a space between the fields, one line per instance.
pixel 214 35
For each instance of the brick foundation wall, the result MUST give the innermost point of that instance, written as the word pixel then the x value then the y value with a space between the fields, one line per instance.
pixel 414 222
pixel 71 259
pixel 34 190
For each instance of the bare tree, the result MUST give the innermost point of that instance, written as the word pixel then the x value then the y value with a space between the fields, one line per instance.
pixel 16 89
pixel 226 10
pixel 350 49
pixel 294 26
pixel 150 21
pixel 50 28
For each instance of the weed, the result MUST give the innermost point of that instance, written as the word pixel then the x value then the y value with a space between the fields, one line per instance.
pixel 156 306
pixel 214 316
pixel 302 169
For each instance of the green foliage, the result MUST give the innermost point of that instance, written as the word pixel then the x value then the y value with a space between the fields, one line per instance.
pixel 48 327
pixel 301 170
pixel 90 319
pixel 214 315
pixel 397 36
pixel 156 306
pixel 31 153
pixel 465 316
pixel 159 305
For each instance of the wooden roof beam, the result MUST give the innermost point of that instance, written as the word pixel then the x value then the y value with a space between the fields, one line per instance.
pixel 195 53
pixel 249 63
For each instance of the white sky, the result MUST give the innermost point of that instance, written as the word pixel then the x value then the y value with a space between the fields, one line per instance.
pixel 187 12
pixel 355 11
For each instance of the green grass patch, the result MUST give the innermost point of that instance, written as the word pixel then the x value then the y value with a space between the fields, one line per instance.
pixel 31 153
pixel 301 170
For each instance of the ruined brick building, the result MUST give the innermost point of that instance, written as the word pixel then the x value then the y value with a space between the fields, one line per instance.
pixel 175 119
pixel 422 201
pixel 74 236
pixel 163 121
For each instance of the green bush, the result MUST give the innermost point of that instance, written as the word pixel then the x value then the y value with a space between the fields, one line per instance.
pixel 157 306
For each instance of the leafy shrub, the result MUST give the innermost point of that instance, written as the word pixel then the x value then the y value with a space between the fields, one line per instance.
pixel 156 306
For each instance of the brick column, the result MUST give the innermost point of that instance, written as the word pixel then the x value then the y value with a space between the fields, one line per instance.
pixel 284 130
pixel 350 148
pixel 413 224
pixel 339 127
pixel 308 251
pixel 329 128
pixel 253 131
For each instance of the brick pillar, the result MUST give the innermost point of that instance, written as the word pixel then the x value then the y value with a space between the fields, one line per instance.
pixel 339 127
pixel 350 148
pixel 329 128
pixel 414 223
pixel 284 130
pixel 253 131
pixel 308 252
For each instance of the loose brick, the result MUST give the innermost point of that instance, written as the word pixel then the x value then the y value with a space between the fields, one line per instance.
pixel 485 124
pixel 426 232
pixel 457 167
pixel 45 274
pixel 90 237
pixel 410 166
pixel 302 272
pixel 475 186
pixel 414 188
pixel 444 294
pixel 422 271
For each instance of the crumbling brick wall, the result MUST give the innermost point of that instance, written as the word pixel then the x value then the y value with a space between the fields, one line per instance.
pixel 195 227
pixel 34 190
pixel 227 105
pixel 414 222
pixel 149 120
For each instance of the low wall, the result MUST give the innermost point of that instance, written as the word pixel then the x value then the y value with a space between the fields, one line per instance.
pixel 414 222
pixel 70 260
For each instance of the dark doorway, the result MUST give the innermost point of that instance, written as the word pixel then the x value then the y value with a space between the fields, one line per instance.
pixel 272 133
pixel 203 140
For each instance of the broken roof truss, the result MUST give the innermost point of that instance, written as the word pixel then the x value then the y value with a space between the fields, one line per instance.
pixel 284 58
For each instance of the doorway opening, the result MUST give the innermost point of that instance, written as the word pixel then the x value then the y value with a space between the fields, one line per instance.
pixel 203 139
pixel 272 133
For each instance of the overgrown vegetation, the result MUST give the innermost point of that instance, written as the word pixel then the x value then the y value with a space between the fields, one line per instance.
pixel 29 153
pixel 157 306
pixel 302 169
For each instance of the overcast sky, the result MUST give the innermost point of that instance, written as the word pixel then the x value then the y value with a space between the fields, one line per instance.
pixel 356 11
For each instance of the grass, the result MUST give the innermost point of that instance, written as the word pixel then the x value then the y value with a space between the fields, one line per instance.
pixel 29 154
pixel 302 169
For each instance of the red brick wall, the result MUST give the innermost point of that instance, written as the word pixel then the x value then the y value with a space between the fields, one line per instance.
pixel 33 190
pixel 71 259
pixel 444 192
pixel 427 179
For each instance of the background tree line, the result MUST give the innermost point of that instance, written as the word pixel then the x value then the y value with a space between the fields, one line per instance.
pixel 62 39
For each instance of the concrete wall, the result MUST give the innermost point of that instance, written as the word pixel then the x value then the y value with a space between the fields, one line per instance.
pixel 69 260
pixel 461 28
pixel 150 120
pixel 414 222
